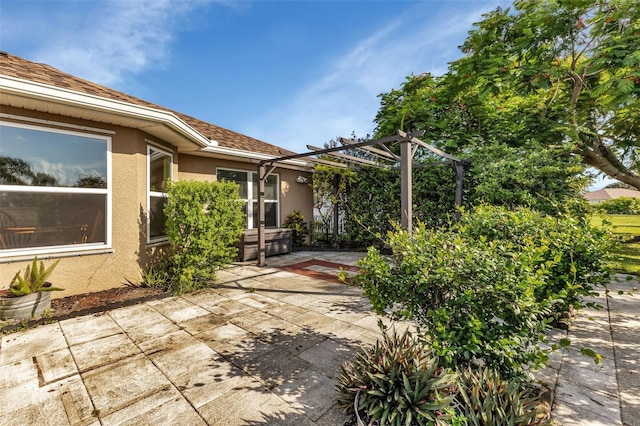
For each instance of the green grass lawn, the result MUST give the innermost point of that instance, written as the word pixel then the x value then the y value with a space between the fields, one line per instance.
pixel 627 254
pixel 620 223
pixel 627 258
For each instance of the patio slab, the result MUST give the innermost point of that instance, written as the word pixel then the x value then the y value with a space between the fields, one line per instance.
pixel 264 346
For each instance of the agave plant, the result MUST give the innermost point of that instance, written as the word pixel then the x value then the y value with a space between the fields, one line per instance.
pixel 33 280
pixel 485 399
pixel 399 382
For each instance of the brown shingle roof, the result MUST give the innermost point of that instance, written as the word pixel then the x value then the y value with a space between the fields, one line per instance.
pixel 17 67
pixel 611 193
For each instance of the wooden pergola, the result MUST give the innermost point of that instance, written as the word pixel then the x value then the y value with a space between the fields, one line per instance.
pixel 384 157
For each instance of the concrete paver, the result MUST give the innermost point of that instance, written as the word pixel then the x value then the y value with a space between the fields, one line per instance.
pixel 602 394
pixel 264 346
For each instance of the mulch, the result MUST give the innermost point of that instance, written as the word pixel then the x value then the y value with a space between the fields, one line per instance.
pixel 90 303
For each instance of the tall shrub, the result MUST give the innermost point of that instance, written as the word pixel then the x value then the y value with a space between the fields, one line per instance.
pixel 573 254
pixel 487 289
pixel 203 220
pixel 549 180
pixel 372 201
pixel 474 298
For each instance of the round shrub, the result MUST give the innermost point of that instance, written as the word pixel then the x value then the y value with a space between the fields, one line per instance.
pixel 473 298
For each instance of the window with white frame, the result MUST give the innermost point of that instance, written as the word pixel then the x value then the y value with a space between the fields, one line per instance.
pixel 158 172
pixel 54 190
pixel 248 191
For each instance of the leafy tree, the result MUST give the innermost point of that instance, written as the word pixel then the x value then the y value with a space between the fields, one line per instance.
pixel 15 171
pixel 548 180
pixel 547 74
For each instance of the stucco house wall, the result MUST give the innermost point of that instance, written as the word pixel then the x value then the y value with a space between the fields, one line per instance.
pixel 111 265
pixel 294 195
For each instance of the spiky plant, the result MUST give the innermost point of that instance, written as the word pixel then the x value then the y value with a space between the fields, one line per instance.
pixel 400 382
pixel 33 280
pixel 485 399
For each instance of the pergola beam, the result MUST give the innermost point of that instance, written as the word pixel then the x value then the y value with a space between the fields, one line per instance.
pixel 346 157
pixel 373 150
pixel 331 163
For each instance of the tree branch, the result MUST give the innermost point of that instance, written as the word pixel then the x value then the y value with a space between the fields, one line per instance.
pixel 599 156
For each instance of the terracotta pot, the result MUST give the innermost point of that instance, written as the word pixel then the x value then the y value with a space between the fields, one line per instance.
pixel 25 307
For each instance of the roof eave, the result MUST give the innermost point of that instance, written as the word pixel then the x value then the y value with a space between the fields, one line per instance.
pixel 154 121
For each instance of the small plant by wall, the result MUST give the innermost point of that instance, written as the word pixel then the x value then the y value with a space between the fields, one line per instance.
pixel 204 219
pixel 296 222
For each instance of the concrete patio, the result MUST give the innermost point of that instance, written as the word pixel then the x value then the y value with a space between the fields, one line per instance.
pixel 263 346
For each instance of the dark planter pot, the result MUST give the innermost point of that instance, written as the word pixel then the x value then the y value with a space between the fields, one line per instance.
pixel 25 307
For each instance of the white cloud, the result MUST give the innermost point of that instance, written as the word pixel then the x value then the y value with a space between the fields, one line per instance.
pixel 114 38
pixel 345 99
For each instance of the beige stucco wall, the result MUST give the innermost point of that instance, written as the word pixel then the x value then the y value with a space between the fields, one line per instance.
pixel 129 252
pixel 293 195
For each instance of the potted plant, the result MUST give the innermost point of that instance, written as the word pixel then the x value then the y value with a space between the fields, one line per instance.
pixel 29 294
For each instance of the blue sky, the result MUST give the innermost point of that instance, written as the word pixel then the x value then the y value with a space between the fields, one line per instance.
pixel 290 73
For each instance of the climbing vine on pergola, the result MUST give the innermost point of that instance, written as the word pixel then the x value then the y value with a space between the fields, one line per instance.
pixel 383 157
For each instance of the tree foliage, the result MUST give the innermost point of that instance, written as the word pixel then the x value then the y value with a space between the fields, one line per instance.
pixel 548 180
pixel 620 205
pixel 545 74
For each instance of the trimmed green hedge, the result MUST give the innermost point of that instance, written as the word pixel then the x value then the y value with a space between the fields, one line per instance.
pixel 203 220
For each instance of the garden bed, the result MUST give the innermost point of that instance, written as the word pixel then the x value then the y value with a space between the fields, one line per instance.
pixel 89 303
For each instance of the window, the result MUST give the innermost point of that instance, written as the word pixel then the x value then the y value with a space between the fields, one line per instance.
pixel 54 190
pixel 248 182
pixel 158 172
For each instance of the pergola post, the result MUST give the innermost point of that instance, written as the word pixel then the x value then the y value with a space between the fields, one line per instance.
pixel 336 216
pixel 262 251
pixel 406 202
pixel 459 180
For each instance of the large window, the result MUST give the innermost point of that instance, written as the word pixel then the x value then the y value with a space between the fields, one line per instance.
pixel 159 171
pixel 54 190
pixel 248 182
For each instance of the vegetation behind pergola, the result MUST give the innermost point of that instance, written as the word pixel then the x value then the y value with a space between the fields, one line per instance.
pixel 382 157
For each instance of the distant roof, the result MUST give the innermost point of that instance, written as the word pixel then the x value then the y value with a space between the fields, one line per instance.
pixel 14 66
pixel 610 193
